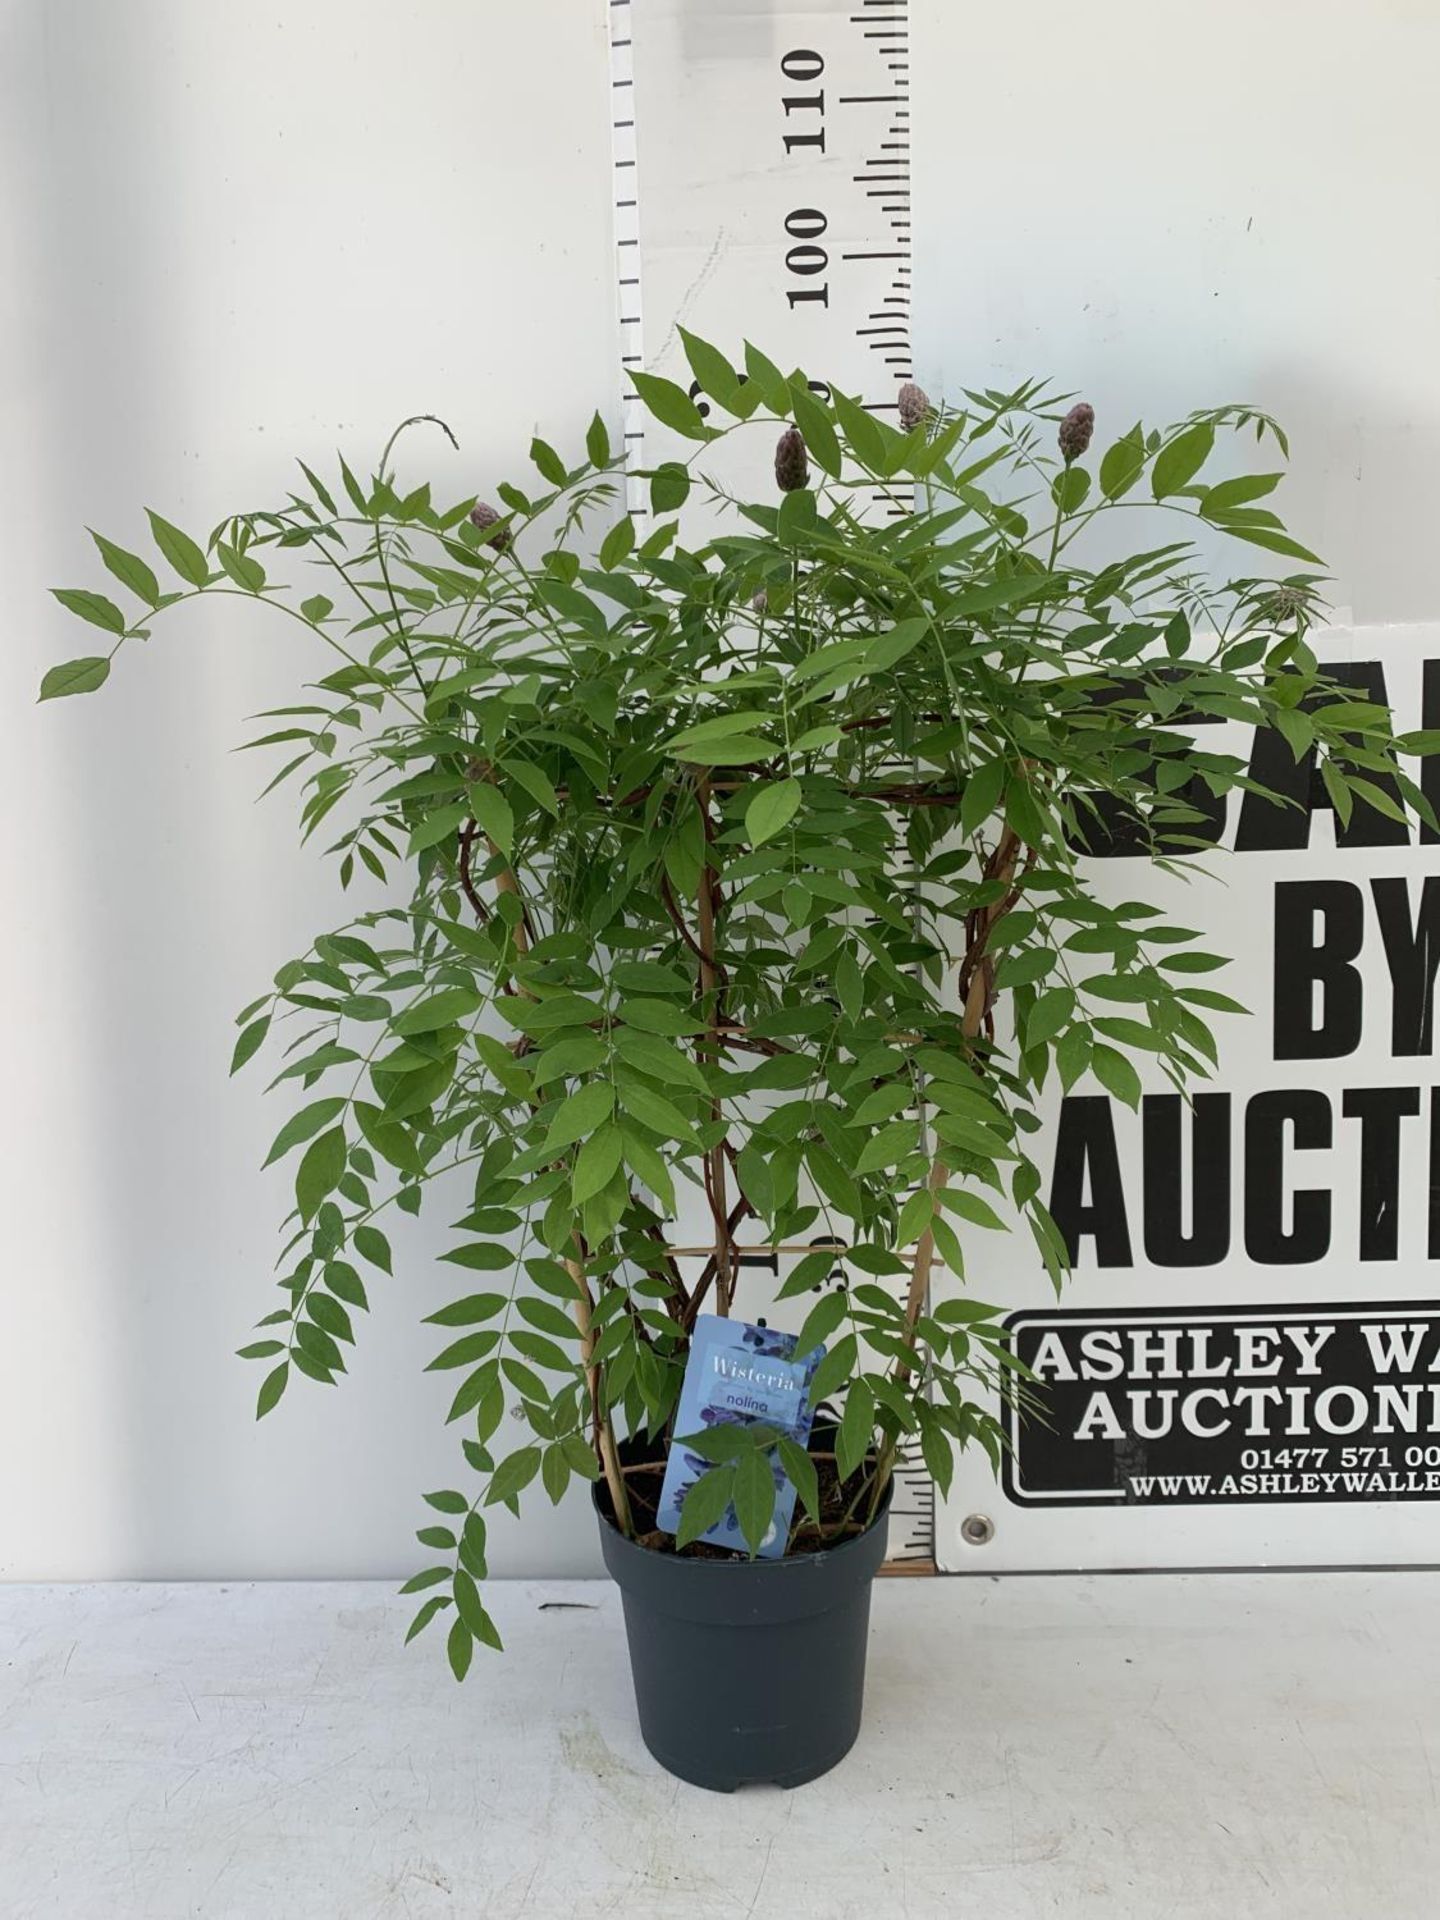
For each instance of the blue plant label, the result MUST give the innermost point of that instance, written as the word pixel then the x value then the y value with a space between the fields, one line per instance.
pixel 738 1375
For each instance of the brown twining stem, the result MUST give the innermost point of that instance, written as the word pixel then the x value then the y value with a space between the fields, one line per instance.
pixel 523 934
pixel 467 879
pixel 712 1168
pixel 747 1044
pixel 773 1246
pixel 977 989
pixel 907 796
pixel 977 969
pixel 672 907
pixel 603 1432
pixel 914 1307
pixel 919 1278
pixel 737 1036
pixel 738 1214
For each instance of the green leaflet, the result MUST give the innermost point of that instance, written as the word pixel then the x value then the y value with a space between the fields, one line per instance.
pixel 75 676
pixel 1181 460
pixel 493 814
pixel 580 1115
pixel 671 405
pixel 91 607
pixel 181 551
pixel 771 809
pixel 705 1502
pixel 303 1125
pixel 320 1171
pixel 753 1496
pixel 596 1163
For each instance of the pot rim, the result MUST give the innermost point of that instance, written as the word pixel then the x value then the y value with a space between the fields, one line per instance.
pixel 738 1563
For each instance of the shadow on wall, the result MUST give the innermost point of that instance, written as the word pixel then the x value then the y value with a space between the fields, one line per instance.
pixel 176 902
pixel 205 281
pixel 92 350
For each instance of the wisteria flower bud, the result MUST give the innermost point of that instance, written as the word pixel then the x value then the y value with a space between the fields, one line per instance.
pixel 914 405
pixel 759 601
pixel 483 516
pixel 1076 429
pixel 792 469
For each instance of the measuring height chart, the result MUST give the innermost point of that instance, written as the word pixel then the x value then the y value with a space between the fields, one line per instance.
pixel 762 192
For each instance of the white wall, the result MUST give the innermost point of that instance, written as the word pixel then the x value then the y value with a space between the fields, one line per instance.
pixel 230 236
pixel 1172 205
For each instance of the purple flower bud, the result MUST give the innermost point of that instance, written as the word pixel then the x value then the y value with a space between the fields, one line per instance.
pixel 914 405
pixel 792 469
pixel 1076 429
pixel 759 601
pixel 483 516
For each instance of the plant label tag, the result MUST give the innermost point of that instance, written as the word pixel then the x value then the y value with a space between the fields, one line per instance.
pixel 738 1375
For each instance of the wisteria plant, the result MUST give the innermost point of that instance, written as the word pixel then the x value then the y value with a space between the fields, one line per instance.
pixel 742 874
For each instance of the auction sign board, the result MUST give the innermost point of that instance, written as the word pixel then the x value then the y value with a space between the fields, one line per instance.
pixel 1244 1369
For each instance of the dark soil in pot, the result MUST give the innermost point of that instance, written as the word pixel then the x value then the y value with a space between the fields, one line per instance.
pixel 746 1671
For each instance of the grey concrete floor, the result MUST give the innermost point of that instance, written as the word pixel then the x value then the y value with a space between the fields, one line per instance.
pixel 1232 1747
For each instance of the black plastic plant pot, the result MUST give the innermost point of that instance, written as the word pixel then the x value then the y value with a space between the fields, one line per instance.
pixel 747 1671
